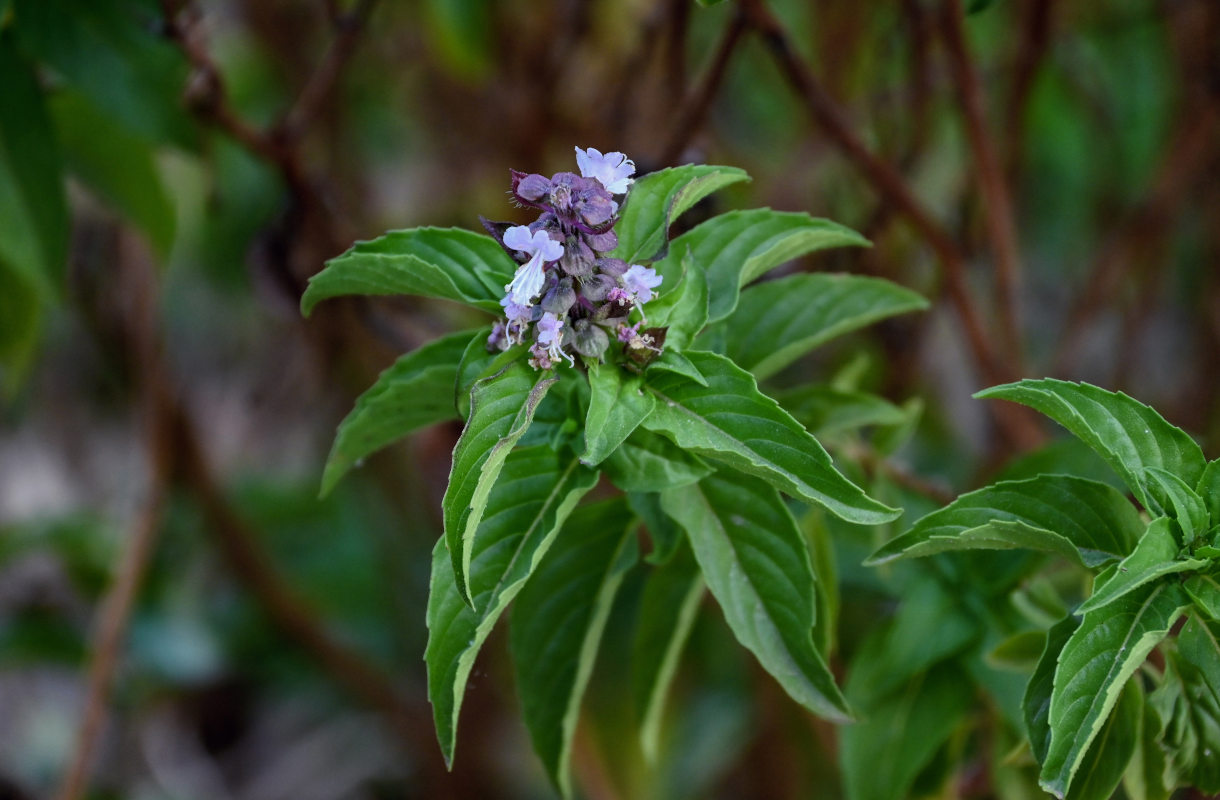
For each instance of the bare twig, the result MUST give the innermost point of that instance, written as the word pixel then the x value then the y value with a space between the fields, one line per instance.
pixel 1033 42
pixel 997 202
pixel 322 82
pixel 115 613
pixel 143 343
pixel 694 110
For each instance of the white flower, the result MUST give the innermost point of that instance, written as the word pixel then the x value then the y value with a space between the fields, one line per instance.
pixel 527 282
pixel 640 281
pixel 613 170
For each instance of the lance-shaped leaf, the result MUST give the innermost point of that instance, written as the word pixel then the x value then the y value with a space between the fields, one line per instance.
pixel 757 566
pixel 1205 591
pixel 657 199
pixel 823 409
pixel 737 247
pixel 779 321
pixel 1129 435
pixel 1102 768
pixel 617 406
pixel 883 754
pixel 673 361
pixel 557 625
pixel 668 608
pixel 1154 556
pixel 33 208
pixel 1180 502
pixel 730 421
pixel 683 311
pixel 648 462
pixel 1084 521
pixel 667 536
pixel 417 390
pixel 1145 775
pixel 1189 702
pixel 502 407
pixel 1097 660
pixel 449 263
pixel 1036 704
pixel 116 163
pixel 538 491
pixel 1209 490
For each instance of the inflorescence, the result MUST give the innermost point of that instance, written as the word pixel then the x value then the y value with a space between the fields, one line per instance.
pixel 568 294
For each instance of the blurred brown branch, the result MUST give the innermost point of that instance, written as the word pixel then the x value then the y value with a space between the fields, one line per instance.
pixel 989 174
pixel 1017 426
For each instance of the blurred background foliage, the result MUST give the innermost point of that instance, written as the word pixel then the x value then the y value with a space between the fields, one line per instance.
pixel 171 174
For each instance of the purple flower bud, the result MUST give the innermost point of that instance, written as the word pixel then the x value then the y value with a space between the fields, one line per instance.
pixel 578 258
pixel 559 299
pixel 597 288
pixel 589 340
pixel 532 188
pixel 603 242
pixel 596 210
pixel 611 266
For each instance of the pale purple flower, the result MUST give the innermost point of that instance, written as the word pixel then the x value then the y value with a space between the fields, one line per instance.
pixel 550 333
pixel 640 281
pixel 613 170
pixel 527 282
pixel 519 318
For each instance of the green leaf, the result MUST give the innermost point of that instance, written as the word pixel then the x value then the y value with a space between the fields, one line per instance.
pixel 115 53
pixel 415 392
pixel 557 625
pixel 617 406
pixel 30 153
pixel 1145 775
pixel 1180 502
pixel 1189 702
pixel 646 462
pixel 1154 556
pixel 1205 591
pixel 883 754
pixel 684 310
pixel 659 198
pixel 737 247
pixel 501 410
pixel 1020 652
pixel 117 164
pixel 1103 766
pixel 449 263
pixel 1209 490
pixel 730 421
pixel 1097 660
pixel 1086 522
pixel 478 362
pixel 673 361
pixel 1129 435
pixel 538 491
pixel 930 626
pixel 779 321
pixel 20 325
pixel 825 409
pixel 668 608
pixel 667 537
pixel 1036 704
pixel 757 566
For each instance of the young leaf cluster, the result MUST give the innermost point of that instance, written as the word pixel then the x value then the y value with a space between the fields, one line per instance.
pixel 1097 711
pixel 699 453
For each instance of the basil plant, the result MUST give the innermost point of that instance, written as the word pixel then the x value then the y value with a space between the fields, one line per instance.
pixel 614 390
